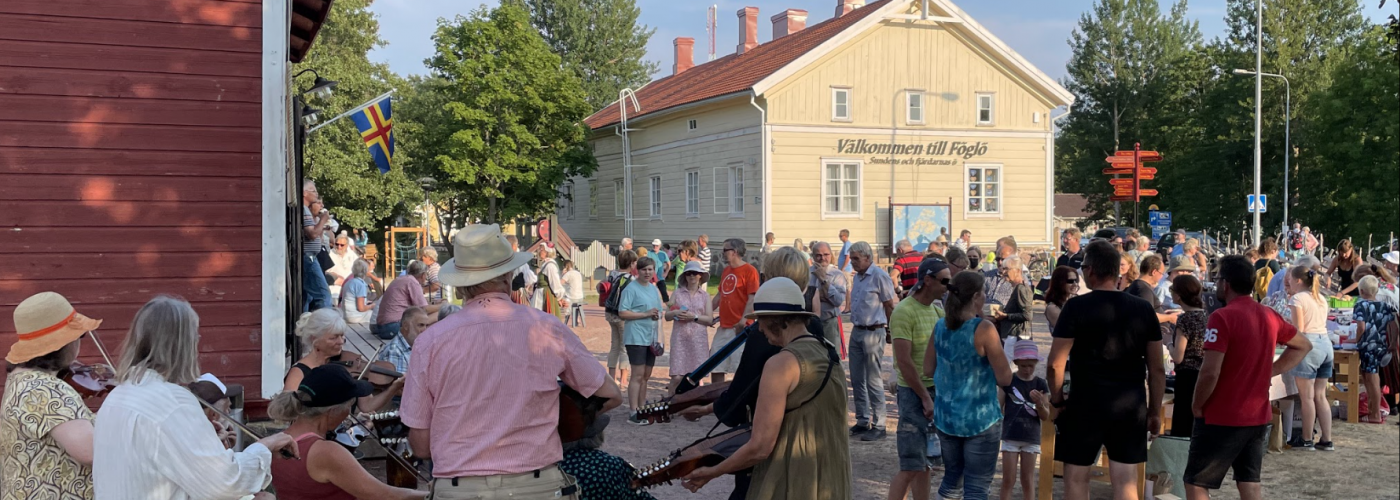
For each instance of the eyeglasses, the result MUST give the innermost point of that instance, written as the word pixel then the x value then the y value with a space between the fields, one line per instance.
pixel 340 245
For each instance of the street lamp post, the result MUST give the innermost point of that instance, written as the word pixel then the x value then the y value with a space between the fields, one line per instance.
pixel 1258 108
pixel 1287 140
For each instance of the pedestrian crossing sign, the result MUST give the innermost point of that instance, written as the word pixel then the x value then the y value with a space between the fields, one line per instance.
pixel 1258 205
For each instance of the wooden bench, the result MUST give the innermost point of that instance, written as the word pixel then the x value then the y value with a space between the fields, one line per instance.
pixel 1346 371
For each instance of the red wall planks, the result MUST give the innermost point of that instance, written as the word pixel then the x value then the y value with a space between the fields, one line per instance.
pixel 71 82
pixel 130 165
pixel 130 33
pixel 22 160
pixel 43 240
pixel 197 12
pixel 126 188
pixel 64 109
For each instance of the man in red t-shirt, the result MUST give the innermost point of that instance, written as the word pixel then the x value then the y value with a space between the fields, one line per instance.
pixel 1232 394
pixel 737 286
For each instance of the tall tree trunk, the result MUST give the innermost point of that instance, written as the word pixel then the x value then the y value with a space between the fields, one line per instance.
pixel 491 210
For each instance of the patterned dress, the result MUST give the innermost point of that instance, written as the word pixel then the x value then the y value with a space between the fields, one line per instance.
pixel 34 465
pixel 1373 345
pixel 690 341
pixel 601 476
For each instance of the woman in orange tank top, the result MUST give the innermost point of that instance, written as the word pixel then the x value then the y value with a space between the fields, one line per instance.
pixel 327 471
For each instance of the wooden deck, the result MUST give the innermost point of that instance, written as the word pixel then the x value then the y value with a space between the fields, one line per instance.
pixel 361 341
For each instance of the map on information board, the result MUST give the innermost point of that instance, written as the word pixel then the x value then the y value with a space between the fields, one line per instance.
pixel 920 224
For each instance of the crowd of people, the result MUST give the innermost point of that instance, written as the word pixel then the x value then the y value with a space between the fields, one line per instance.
pixel 959 322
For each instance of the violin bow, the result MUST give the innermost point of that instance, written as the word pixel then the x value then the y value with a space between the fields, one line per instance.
pixel 101 349
pixel 370 361
pixel 241 427
pixel 374 434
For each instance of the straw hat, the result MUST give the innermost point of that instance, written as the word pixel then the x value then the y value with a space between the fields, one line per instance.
pixel 45 323
pixel 778 297
pixel 481 253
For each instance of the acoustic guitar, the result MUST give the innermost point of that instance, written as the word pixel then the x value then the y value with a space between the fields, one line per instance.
pixel 708 452
pixel 662 410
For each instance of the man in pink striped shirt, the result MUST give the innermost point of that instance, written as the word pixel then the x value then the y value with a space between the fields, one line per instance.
pixel 482 394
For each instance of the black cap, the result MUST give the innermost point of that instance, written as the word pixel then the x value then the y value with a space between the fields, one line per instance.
pixel 329 385
pixel 928 267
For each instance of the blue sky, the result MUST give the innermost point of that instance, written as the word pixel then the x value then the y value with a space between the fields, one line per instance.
pixel 1038 29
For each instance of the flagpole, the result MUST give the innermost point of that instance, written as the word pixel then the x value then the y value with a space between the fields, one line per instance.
pixel 353 111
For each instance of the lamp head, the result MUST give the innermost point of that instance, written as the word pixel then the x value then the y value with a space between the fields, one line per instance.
pixel 322 87
pixel 309 115
pixel 1238 71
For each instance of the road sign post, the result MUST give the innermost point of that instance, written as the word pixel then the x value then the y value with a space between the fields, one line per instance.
pixel 1130 163
pixel 1259 205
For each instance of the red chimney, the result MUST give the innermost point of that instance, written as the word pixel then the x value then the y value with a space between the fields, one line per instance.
pixel 846 6
pixel 748 29
pixel 685 58
pixel 788 22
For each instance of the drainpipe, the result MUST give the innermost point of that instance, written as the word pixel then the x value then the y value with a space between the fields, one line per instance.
pixel 1050 183
pixel 763 166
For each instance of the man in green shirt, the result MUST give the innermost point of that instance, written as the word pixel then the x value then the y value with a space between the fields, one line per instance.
pixel 912 325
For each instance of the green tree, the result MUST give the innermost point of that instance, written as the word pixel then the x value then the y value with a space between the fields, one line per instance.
pixel 1354 188
pixel 600 41
pixel 336 157
pixel 512 122
pixel 1135 73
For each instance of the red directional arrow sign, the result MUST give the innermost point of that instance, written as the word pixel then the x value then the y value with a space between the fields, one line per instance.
pixel 1145 173
pixel 1130 164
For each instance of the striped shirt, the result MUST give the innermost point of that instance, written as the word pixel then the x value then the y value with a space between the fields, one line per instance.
pixel 309 246
pixel 907 269
pixel 152 441
pixel 484 383
pixel 705 258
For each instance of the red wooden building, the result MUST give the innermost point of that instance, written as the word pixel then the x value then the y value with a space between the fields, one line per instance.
pixel 144 150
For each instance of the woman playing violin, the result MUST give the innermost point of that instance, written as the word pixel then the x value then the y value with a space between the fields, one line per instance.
pixel 327 471
pixel 322 334
pixel 45 429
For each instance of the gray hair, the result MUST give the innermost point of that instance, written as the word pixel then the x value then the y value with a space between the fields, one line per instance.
pixel 737 245
pixel 416 269
pixel 313 325
pixel 816 244
pixel 499 283
pixel 429 252
pixel 360 269
pixel 164 338
pixel 903 246
pixel 1308 261
pixel 862 248
pixel 626 241
pixel 447 310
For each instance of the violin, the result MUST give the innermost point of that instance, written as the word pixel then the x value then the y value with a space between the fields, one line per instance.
pixel 91 381
pixel 380 374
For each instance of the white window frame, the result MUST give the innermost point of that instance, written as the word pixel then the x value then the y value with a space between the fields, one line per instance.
pixel 691 125
pixel 692 194
pixel 967 189
pixel 839 91
pixel 568 201
pixel 593 199
pixel 721 187
pixel 991 109
pixel 619 203
pixel 736 190
pixel 654 196
pixel 909 98
pixel 860 187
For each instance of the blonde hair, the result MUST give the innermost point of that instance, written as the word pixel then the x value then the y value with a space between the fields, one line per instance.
pixel 164 337
pixel 1368 285
pixel 287 406
pixel 1309 278
pixel 1191 244
pixel 316 324
pixel 788 263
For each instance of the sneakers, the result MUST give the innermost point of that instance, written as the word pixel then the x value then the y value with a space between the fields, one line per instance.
pixel 1304 446
pixel 636 419
pixel 873 435
pixel 860 429
pixel 1324 446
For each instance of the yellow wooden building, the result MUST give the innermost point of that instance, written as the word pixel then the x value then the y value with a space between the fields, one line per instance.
pixel 823 128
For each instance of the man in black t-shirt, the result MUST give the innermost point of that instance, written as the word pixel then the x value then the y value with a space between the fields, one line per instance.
pixel 1115 345
pixel 1074 255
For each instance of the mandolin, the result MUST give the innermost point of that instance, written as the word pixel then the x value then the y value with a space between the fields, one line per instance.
pixel 661 411
pixel 707 452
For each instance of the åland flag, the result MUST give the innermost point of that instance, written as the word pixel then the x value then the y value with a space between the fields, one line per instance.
pixel 376 124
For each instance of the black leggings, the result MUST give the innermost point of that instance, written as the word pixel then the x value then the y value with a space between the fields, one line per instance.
pixel 1185 390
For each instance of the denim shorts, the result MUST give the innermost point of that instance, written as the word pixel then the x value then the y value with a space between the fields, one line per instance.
pixel 1318 362
pixel 911 437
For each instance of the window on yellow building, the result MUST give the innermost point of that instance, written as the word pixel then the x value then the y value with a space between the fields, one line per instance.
pixel 983 189
pixel 915 104
pixel 841 188
pixel 840 104
pixel 985 114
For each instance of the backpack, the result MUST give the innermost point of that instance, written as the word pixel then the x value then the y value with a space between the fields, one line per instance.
pixel 610 291
pixel 1262 277
pixel 1295 240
